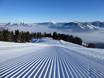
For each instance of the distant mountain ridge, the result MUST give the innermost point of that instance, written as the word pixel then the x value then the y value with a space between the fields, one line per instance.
pixel 74 26
pixel 88 31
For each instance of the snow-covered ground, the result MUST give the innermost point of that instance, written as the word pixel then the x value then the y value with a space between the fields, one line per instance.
pixel 49 58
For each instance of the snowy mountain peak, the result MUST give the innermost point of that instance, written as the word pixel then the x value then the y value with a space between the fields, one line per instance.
pixel 70 26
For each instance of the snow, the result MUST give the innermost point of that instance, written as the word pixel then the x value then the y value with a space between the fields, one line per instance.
pixel 99 53
pixel 49 58
pixel 11 50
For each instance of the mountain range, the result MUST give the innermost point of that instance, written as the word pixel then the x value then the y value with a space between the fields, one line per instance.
pixel 88 31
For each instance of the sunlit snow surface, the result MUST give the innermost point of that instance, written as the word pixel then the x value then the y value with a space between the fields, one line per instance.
pixel 48 58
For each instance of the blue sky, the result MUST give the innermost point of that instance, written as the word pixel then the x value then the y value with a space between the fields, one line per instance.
pixel 51 10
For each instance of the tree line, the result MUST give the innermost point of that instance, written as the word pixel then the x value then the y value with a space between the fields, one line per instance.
pixel 22 36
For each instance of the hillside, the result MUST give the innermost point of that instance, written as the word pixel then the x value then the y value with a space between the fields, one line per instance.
pixel 47 58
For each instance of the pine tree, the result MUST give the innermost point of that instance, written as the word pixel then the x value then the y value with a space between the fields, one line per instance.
pixel 55 35
pixel 16 36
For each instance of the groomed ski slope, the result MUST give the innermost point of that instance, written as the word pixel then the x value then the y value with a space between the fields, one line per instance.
pixel 50 59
